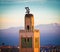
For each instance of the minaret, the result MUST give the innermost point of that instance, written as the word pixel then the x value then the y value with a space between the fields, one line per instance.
pixel 29 38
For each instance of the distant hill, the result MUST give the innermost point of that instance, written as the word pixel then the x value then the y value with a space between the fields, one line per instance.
pixel 49 35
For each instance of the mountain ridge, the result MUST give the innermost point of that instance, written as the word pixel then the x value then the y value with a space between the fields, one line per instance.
pixel 49 33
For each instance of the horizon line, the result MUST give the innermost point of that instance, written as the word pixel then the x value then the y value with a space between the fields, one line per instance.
pixel 23 26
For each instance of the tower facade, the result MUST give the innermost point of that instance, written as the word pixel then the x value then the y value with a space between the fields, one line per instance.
pixel 29 37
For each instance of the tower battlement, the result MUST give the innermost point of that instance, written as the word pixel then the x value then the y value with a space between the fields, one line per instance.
pixel 29 15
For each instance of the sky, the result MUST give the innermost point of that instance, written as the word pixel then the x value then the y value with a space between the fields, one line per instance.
pixel 12 12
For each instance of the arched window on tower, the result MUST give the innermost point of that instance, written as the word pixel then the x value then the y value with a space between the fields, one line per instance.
pixel 29 42
pixel 27 27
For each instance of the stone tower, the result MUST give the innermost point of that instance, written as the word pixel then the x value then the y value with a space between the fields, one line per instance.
pixel 29 37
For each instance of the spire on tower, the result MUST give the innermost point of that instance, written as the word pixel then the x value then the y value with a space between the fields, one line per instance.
pixel 27 10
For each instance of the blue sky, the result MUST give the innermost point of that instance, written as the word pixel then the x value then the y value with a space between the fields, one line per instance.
pixel 12 12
